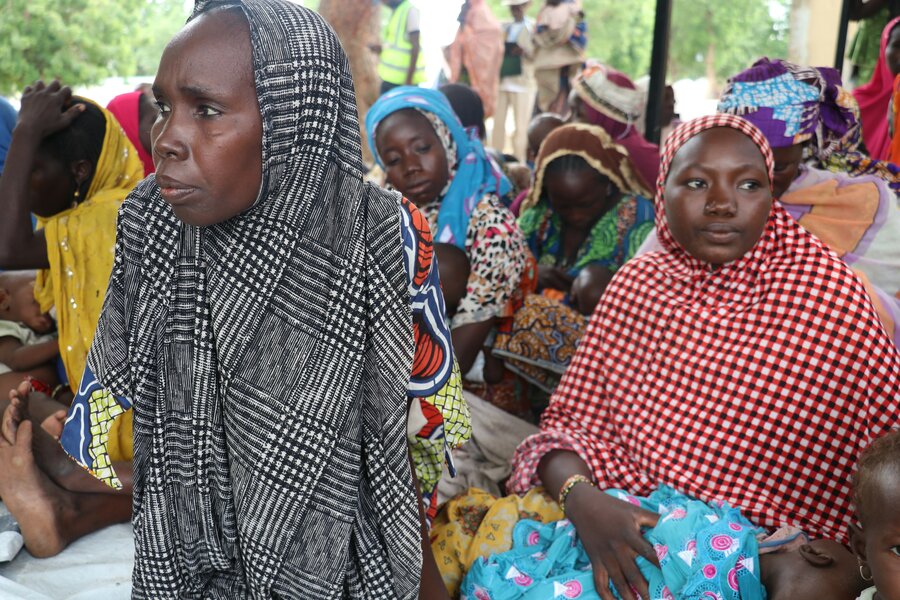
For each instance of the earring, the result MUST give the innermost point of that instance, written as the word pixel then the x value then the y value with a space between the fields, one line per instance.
pixel 75 198
pixel 863 575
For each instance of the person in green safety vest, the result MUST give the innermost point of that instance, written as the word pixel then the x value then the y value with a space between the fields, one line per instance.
pixel 400 61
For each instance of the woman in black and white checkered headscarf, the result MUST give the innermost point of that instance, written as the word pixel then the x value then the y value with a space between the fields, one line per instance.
pixel 259 321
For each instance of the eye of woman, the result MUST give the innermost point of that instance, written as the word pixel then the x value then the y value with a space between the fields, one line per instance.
pixel 695 183
pixel 750 185
pixel 895 550
pixel 204 110
pixel 423 149
pixel 161 106
pixel 779 167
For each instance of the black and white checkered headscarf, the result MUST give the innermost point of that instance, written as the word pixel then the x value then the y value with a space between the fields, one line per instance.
pixel 268 357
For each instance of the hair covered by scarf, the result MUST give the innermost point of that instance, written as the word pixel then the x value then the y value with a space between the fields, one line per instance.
pixel 597 148
pixel 792 104
pixel 610 98
pixel 268 356
pixel 681 365
pixel 473 175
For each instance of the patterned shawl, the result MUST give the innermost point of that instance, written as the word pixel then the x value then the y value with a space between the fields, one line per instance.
pixel 268 357
pixel 873 99
pixel 619 233
pixel 472 173
pixel 757 383
pixel 792 105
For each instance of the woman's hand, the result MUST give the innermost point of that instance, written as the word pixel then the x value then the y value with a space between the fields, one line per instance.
pixel 554 278
pixel 610 530
pixel 47 109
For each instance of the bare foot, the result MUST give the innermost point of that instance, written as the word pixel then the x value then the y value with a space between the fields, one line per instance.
pixel 16 412
pixel 39 505
pixel 54 424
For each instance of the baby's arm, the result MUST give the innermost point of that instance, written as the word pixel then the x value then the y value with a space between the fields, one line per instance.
pixel 19 357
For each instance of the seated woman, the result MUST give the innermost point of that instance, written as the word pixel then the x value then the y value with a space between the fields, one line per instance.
pixel 588 206
pixel 70 164
pixel 607 98
pixel 822 176
pixel 431 159
pixel 743 362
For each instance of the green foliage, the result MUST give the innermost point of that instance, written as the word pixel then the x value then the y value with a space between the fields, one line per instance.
pixel 82 41
pixel 620 33
pixel 734 33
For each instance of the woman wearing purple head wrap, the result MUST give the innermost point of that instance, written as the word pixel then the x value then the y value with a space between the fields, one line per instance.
pixel 823 176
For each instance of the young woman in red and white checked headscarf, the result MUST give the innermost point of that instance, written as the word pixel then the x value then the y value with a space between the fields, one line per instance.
pixel 743 362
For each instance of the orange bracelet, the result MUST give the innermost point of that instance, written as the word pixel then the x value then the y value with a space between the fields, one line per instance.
pixel 568 486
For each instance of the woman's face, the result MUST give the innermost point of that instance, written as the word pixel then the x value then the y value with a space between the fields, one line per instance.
pixel 414 159
pixel 892 51
pixel 787 167
pixel 207 139
pixel 579 197
pixel 51 186
pixel 717 197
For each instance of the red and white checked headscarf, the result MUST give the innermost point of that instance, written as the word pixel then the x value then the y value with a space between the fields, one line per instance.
pixel 757 383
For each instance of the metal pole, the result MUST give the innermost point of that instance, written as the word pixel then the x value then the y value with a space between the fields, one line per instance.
pixel 658 63
pixel 842 37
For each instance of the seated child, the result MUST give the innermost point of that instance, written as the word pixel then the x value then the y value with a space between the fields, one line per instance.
pixel 538 129
pixel 27 338
pixel 704 551
pixel 587 288
pixel 876 540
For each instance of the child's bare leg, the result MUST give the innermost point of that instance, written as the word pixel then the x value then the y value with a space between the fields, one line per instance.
pixel 48 454
pixel 46 373
pixel 50 517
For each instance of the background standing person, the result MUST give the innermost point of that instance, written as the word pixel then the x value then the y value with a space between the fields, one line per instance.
pixel 517 87
pixel 475 55
pixel 400 61
pixel 560 39
pixel 874 98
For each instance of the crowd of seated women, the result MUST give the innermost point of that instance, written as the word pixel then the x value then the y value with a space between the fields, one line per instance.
pixel 705 333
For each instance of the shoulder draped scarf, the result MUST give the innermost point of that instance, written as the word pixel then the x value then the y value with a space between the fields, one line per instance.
pixel 268 357
pixel 757 383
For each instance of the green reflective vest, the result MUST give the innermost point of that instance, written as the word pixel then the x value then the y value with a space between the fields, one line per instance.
pixel 396 50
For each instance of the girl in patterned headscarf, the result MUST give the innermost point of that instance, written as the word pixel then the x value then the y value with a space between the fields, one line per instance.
pixel 444 170
pixel 822 177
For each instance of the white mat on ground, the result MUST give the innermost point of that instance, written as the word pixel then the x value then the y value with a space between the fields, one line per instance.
pixel 96 566
pixel 484 461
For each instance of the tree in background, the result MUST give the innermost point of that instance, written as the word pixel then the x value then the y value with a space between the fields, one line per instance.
pixel 82 41
pixel 709 38
pixel 357 24
pixel 716 39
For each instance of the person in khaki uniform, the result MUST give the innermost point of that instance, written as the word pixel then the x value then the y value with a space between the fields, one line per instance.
pixel 517 86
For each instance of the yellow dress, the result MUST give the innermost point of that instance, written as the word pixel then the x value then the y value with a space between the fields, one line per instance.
pixel 80 248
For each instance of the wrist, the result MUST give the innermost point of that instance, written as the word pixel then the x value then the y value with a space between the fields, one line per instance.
pixel 571 484
pixel 26 133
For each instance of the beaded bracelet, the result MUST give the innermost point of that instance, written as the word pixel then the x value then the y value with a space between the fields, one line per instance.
pixel 567 487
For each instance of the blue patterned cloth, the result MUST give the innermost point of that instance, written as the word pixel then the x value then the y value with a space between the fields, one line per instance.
pixel 704 551
pixel 474 174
